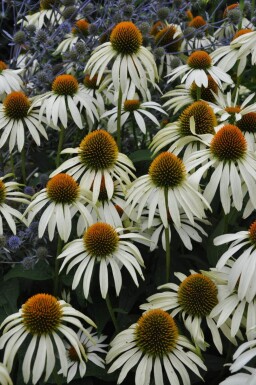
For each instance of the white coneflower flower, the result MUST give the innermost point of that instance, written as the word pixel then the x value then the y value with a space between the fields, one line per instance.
pixel 67 96
pixel 97 157
pixel 103 244
pixel 179 135
pixel 101 92
pixel 80 29
pixel 136 109
pixel 247 46
pixel 5 378
pixel 9 79
pixel 43 319
pixel 199 65
pixel 154 344
pixel 194 299
pixel 92 346
pixel 111 211
pixel 9 192
pixel 241 378
pixel 167 176
pixel 17 117
pixel 230 310
pixel 170 38
pixel 48 13
pixel 234 165
pixel 230 110
pixel 242 273
pixel 227 29
pixel 64 198
pixel 131 59
pixel 185 231
pixel 180 96
pixel 227 56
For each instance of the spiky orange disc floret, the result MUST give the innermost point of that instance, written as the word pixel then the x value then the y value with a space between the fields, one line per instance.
pixel 91 82
pixel 205 119
pixel 199 60
pixel 229 143
pixel 41 314
pixel 65 85
pixel 98 150
pixel 252 233
pixel 157 26
pixel 100 240
pixel 242 32
pixel 206 93
pixel 247 123
pixel 165 38
pixel 167 170
pixel 62 188
pixel 197 22
pixel 82 26
pixel 197 295
pixel 131 104
pixel 229 8
pixel 126 38
pixel 3 66
pixel 156 333
pixel 2 192
pixel 16 105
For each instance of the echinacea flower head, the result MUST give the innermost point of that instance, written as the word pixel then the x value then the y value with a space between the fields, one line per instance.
pixel 228 56
pixel 154 343
pixel 131 59
pixel 9 79
pixel 234 165
pixel 247 124
pixel 242 251
pixel 67 96
pixel 43 319
pixel 81 26
pixel 199 65
pixel 108 246
pixel 64 198
pixel 16 117
pixel 197 22
pixel 179 134
pixel 186 231
pixel 136 109
pixel 230 311
pixel 98 157
pixel 180 96
pixel 194 299
pixel 169 37
pixel 92 344
pixel 167 176
pixel 9 193
pixel 110 210
pixel 5 378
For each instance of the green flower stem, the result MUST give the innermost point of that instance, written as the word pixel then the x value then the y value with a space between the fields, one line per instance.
pixel 23 165
pixel 56 272
pixel 198 93
pixel 112 314
pixel 241 6
pixel 134 134
pixel 119 107
pixel 60 145
pixel 167 240
pixel 12 164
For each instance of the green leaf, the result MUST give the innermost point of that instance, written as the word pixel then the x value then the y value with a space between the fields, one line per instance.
pixel 9 292
pixel 41 272
pixel 140 156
